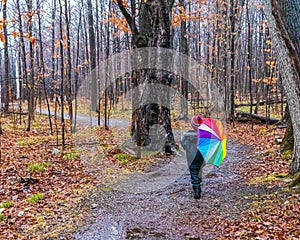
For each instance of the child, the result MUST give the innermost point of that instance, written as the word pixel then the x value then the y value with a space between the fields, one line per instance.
pixel 195 159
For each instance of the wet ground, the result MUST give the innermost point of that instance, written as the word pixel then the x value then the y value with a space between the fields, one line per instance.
pixel 160 204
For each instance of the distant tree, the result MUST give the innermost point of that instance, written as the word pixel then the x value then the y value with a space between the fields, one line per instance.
pixel 69 96
pixel 6 59
pixel 92 45
pixel 183 48
pixel 42 65
pixel 31 79
pixel 62 79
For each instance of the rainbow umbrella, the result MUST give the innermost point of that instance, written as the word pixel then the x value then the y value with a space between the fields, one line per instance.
pixel 212 141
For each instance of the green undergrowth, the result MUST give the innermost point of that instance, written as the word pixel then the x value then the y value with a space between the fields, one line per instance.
pixel 270 178
pixel 39 124
pixel 36 197
pixel 287 155
pixel 119 113
pixel 70 155
pixel 261 111
pixel 39 167
pixel 6 204
pixel 36 140
pixel 122 158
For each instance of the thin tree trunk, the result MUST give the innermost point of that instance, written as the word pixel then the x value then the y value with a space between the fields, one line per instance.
pixel 76 74
pixel 92 44
pixel 42 69
pixel 68 67
pixel 6 61
pixel 62 92
pixel 183 48
pixel 31 82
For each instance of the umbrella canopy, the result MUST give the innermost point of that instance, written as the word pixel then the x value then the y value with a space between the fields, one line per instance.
pixel 212 141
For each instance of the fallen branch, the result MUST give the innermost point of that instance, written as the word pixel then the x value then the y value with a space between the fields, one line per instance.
pixel 261 103
pixel 247 117
pixel 18 113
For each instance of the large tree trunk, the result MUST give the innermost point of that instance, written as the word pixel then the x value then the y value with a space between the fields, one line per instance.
pixel 288 140
pixel 148 111
pixel 284 26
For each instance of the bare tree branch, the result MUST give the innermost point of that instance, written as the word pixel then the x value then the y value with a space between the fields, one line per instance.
pixel 127 16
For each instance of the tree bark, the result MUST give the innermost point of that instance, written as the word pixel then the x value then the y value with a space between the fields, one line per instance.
pixel 284 30
pixel 154 30
pixel 69 66
pixel 230 86
pixel 288 139
pixel 92 44
pixel 31 82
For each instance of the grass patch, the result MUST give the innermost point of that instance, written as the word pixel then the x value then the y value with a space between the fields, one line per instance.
pixel 38 167
pixel 27 141
pixel 287 155
pixel 261 111
pixel 263 131
pixel 1 217
pixel 70 155
pixel 36 197
pixel 33 141
pixel 122 158
pixel 39 125
pixel 6 204
pixel 119 113
pixel 270 178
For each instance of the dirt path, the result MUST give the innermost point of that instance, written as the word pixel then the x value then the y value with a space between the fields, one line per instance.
pixel 159 204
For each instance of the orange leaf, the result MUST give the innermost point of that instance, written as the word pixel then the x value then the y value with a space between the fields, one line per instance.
pixel 181 8
pixel 2 38
pixel 125 3
pixel 268 42
pixel 15 34
pixel 256 80
pixel 32 40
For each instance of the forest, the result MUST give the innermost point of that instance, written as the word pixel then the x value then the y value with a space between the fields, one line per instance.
pixel 95 97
